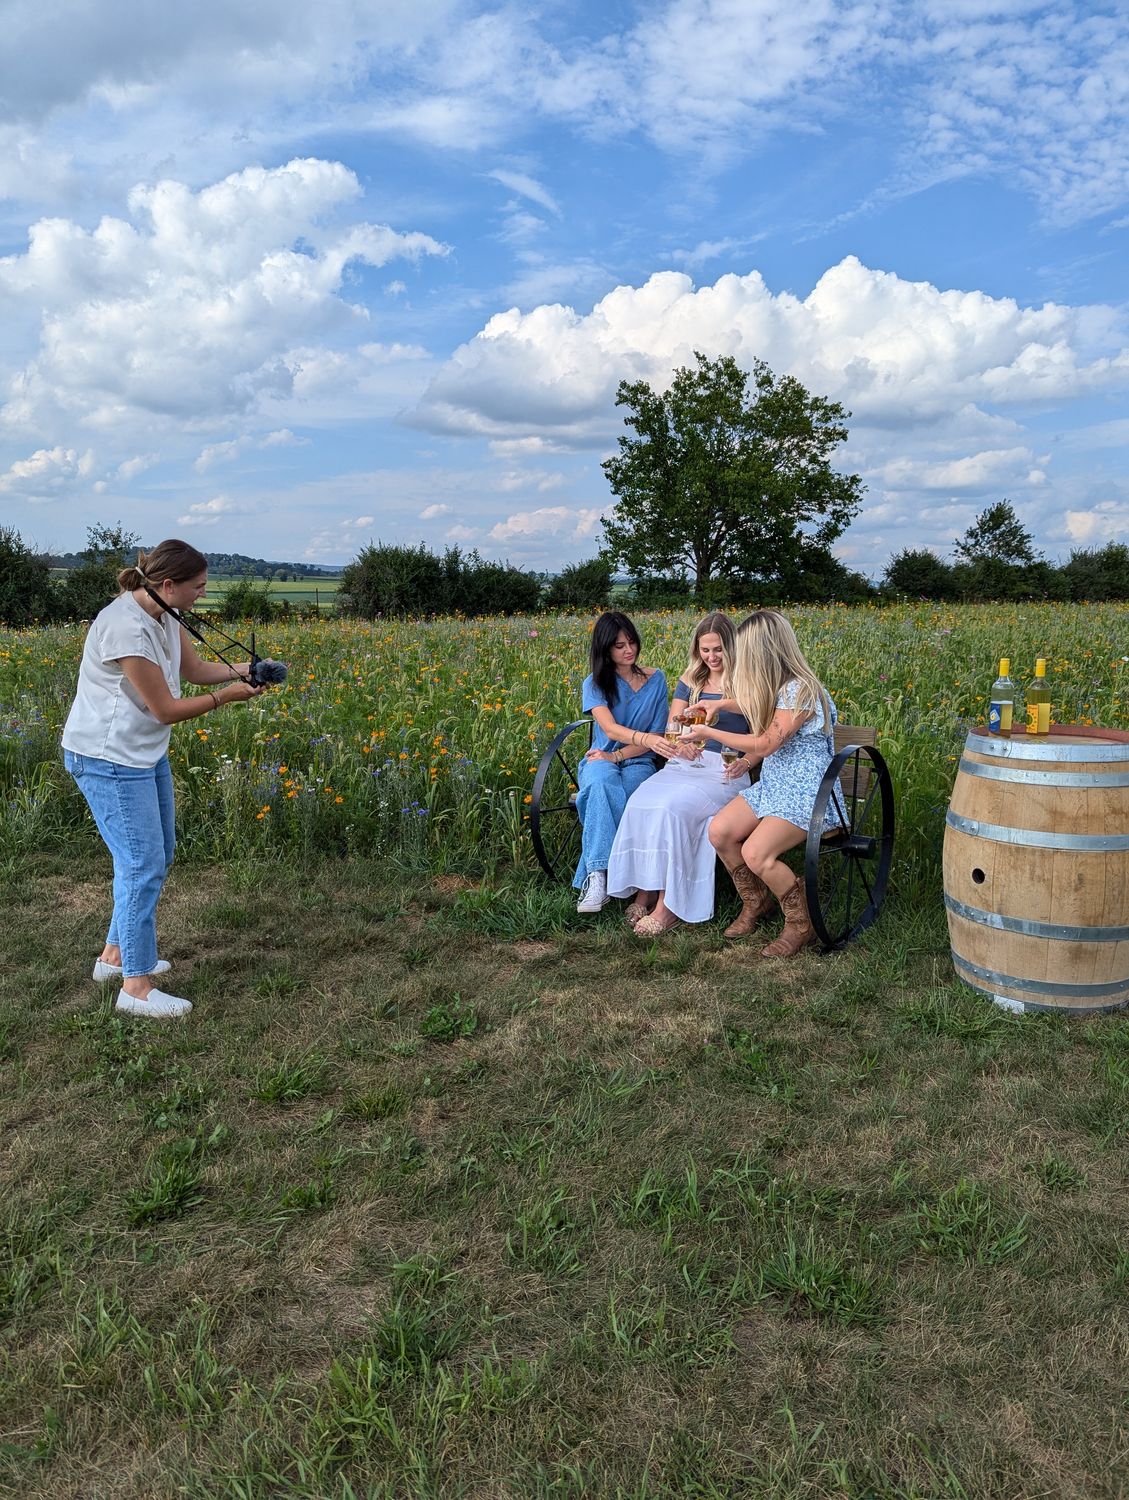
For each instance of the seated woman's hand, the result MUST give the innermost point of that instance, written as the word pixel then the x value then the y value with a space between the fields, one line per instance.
pixel 686 749
pixel 737 768
pixel 698 713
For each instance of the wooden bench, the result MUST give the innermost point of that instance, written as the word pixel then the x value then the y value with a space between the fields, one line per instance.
pixel 846 872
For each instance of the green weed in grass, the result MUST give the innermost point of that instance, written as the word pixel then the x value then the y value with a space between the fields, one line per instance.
pixel 377 1104
pixel 963 1223
pixel 308 1197
pixel 819 1279
pixel 546 1235
pixel 449 1020
pixel 29 1259
pixel 758 1065
pixel 1058 1175
pixel 184 1375
pixel 172 1187
pixel 292 1079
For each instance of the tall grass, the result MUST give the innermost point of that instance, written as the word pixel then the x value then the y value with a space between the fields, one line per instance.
pixel 420 739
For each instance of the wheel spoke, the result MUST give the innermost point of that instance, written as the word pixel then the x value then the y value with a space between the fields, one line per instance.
pixel 866 883
pixel 869 801
pixel 850 888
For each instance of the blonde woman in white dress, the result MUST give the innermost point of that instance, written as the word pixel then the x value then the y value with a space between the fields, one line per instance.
pixel 661 854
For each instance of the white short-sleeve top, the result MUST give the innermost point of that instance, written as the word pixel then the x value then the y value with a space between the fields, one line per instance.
pixel 108 719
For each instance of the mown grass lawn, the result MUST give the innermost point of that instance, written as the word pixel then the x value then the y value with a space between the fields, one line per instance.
pixel 445 1191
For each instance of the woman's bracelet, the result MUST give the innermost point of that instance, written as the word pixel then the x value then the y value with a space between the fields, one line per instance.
pixel 215 700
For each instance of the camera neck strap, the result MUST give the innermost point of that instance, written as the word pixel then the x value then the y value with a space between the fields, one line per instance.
pixel 191 623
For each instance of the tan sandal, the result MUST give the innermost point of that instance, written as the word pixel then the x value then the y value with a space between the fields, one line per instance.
pixel 650 926
pixel 636 912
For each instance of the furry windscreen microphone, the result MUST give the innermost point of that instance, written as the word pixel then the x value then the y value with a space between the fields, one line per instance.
pixel 267 673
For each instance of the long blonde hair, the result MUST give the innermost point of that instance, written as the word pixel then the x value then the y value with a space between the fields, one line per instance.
pixel 697 674
pixel 768 655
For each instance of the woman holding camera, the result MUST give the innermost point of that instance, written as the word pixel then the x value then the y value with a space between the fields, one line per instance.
pixel 115 745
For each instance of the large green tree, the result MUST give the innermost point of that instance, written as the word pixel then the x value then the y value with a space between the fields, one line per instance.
pixel 92 585
pixel 728 482
pixel 997 535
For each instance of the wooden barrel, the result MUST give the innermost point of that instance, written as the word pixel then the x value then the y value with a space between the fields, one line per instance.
pixel 1036 869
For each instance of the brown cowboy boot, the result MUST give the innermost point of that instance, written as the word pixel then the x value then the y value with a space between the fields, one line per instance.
pixel 797 931
pixel 756 901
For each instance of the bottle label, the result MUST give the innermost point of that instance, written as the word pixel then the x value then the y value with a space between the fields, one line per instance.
pixel 1000 717
pixel 1038 718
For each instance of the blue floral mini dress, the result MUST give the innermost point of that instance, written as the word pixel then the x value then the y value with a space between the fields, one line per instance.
pixel 790 777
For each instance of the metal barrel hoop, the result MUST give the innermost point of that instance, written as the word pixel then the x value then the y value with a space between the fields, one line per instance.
pixel 846 874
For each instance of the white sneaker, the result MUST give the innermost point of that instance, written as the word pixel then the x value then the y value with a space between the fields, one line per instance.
pixel 593 893
pixel 102 971
pixel 157 1006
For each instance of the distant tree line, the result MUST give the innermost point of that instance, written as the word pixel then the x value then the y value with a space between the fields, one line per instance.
pixel 35 589
pixel 221 564
pixel 994 560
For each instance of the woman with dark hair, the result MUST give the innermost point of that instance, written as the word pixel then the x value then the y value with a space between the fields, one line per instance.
pixel 115 745
pixel 661 854
pixel 627 702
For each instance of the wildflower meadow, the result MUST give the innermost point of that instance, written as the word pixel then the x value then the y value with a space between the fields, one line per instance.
pixel 420 739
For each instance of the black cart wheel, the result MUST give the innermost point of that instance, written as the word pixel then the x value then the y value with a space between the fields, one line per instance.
pixel 846 873
pixel 553 824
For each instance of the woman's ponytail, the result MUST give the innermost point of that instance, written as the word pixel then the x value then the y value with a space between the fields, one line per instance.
pixel 178 561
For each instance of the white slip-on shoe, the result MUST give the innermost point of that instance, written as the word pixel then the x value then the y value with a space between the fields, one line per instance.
pixel 593 893
pixel 157 1006
pixel 103 971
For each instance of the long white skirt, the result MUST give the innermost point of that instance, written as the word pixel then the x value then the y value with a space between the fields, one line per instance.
pixel 661 843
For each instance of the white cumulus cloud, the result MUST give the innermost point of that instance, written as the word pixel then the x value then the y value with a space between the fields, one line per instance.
pixel 190 309
pixel 47 474
pixel 211 512
pixel 896 352
pixel 555 521
pixel 221 453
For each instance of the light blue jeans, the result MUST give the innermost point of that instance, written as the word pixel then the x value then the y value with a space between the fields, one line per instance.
pixel 603 787
pixel 133 808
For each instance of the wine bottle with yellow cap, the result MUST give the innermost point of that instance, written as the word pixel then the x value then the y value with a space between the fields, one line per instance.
pixel 1039 700
pixel 1001 705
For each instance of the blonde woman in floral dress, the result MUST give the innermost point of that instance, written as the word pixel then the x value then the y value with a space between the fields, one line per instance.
pixel 791 722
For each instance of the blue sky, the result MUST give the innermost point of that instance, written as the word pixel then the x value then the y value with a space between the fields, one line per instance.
pixel 283 279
